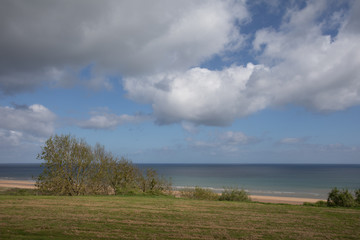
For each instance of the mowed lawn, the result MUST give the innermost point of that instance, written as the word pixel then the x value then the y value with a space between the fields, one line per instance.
pixel 139 217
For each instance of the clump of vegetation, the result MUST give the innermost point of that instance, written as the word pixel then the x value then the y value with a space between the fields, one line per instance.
pixel 316 204
pixel 339 198
pixel 357 196
pixel 342 198
pixel 72 167
pixel 199 194
pixel 206 194
pixel 17 192
pixel 234 195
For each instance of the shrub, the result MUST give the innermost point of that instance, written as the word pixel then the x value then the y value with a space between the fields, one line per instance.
pixel 340 198
pixel 199 194
pixel 321 203
pixel 186 193
pixel 317 204
pixel 357 196
pixel 234 195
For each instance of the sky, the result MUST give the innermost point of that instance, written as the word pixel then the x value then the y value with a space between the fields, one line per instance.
pixel 261 81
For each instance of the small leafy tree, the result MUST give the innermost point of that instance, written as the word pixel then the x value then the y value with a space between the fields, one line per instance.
pixel 340 198
pixel 152 183
pixel 67 166
pixel 101 171
pixel 123 176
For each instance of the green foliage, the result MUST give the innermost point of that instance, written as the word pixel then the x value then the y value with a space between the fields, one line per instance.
pixel 72 167
pixel 67 166
pixel 151 183
pixel 317 204
pixel 18 192
pixel 199 194
pixel 357 196
pixel 234 195
pixel 340 198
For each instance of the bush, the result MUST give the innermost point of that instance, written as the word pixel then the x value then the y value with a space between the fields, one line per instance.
pixel 340 198
pixel 234 195
pixel 321 203
pixel 199 194
pixel 317 204
pixel 357 196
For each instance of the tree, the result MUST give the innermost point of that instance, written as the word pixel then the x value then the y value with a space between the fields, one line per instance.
pixel 101 169
pixel 72 167
pixel 67 166
pixel 123 176
pixel 150 182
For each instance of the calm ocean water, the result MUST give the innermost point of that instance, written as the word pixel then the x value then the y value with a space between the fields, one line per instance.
pixel 295 180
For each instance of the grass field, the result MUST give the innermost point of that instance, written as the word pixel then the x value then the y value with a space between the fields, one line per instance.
pixel 139 217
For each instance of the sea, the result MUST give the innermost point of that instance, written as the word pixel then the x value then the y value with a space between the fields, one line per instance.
pixel 287 180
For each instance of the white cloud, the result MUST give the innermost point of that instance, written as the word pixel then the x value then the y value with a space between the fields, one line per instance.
pixel 22 130
pixel 9 137
pixel 302 144
pixel 198 95
pixel 236 138
pixel 35 120
pixel 299 65
pixel 309 68
pixel 291 140
pixel 105 120
pixel 226 142
pixel 190 127
pixel 130 38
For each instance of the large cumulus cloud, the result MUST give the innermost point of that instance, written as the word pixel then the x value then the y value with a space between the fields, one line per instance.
pixel 299 63
pixel 129 38
pixel 198 95
pixel 308 67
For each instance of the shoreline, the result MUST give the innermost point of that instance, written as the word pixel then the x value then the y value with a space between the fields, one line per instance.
pixel 28 184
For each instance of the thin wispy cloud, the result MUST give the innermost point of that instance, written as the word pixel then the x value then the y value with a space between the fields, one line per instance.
pixel 105 120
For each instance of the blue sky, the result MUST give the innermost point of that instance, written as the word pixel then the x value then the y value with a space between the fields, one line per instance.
pixel 183 81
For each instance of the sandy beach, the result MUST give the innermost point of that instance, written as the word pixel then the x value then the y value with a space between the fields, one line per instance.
pixel 17 184
pixel 256 198
pixel 287 200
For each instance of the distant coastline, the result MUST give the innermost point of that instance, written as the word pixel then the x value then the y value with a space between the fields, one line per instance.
pixel 27 184
pixel 313 181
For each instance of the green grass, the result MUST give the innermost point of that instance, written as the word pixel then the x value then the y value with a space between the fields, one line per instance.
pixel 154 217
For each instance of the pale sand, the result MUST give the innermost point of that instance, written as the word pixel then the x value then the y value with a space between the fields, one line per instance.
pixel 265 199
pixel 17 184
pixel 288 200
